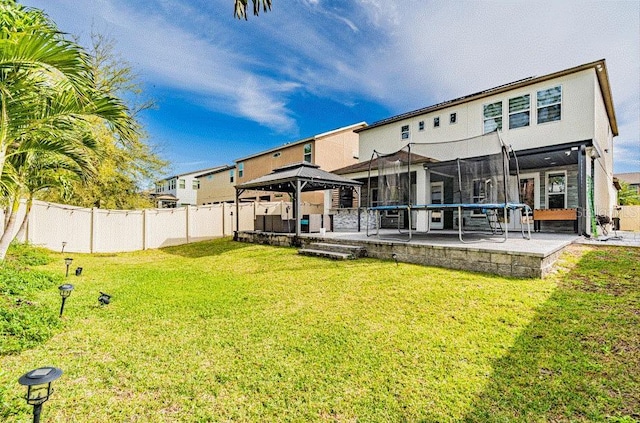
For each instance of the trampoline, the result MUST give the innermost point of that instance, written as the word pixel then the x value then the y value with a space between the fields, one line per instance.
pixel 478 188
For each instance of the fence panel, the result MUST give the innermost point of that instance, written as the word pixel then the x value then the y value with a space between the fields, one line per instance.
pixel 629 218
pixel 166 227
pixel 117 230
pixel 247 216
pixel 52 224
pixel 205 222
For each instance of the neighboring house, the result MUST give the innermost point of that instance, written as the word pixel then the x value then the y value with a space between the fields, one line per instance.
pixel 633 179
pixel 179 190
pixel 217 186
pixel 329 150
pixel 560 125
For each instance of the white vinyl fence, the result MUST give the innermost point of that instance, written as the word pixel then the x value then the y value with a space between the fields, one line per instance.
pixel 95 230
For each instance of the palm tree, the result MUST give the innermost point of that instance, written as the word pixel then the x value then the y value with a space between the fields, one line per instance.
pixel 241 7
pixel 48 102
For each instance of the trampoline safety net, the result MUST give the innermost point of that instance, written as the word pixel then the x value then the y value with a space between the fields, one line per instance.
pixel 473 171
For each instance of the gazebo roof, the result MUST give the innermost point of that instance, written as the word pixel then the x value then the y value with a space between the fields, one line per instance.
pixel 283 179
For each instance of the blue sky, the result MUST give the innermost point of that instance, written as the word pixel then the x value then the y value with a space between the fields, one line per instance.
pixel 227 88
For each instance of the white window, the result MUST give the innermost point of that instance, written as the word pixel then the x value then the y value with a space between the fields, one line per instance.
pixel 436 122
pixel 172 184
pixel 181 183
pixel 231 175
pixel 240 170
pixel 549 103
pixel 492 116
pixel 307 153
pixel 421 125
pixel 519 111
pixel 556 190
pixel 404 132
pixel 453 118
pixel 195 184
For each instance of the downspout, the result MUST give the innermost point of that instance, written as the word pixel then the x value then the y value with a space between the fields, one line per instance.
pixel 582 191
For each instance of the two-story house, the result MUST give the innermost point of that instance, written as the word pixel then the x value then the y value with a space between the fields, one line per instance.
pixel 560 127
pixel 217 186
pixel 329 150
pixel 180 190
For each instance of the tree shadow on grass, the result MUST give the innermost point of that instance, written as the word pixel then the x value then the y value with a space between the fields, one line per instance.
pixel 206 248
pixel 579 359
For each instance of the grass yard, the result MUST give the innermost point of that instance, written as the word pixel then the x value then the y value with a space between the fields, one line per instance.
pixel 222 331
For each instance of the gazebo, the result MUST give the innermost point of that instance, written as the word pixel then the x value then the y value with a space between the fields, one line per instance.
pixel 295 179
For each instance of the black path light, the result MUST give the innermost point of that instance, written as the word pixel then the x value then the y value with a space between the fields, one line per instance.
pixel 65 291
pixel 64 244
pixel 104 299
pixel 68 262
pixel 38 383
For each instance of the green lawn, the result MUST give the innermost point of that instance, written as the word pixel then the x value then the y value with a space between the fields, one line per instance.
pixel 222 331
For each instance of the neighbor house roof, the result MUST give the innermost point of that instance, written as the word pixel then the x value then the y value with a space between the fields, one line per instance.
pixel 353 127
pixel 197 173
pixel 630 178
pixel 216 170
pixel 598 65
pixel 283 179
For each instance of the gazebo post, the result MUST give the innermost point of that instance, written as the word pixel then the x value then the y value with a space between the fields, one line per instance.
pixel 359 191
pixel 297 209
pixel 235 233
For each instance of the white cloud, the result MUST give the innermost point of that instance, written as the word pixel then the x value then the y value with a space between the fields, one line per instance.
pixel 403 54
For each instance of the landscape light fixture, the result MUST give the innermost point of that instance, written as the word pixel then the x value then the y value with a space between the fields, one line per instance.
pixel 68 262
pixel 104 299
pixel 394 256
pixel 64 244
pixel 65 291
pixel 38 383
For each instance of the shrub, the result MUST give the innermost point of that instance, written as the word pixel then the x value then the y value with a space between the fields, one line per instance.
pixel 23 322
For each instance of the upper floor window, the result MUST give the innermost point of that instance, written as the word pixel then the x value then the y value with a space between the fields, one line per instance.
pixel 557 190
pixel 240 170
pixel 195 184
pixel 232 174
pixel 453 118
pixel 181 183
pixel 404 132
pixel 519 111
pixel 172 184
pixel 421 125
pixel 492 117
pixel 307 153
pixel 159 187
pixel 436 122
pixel 549 104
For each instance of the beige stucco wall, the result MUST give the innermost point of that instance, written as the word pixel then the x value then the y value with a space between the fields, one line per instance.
pixel 576 123
pixel 336 151
pixel 216 188
pixel 605 191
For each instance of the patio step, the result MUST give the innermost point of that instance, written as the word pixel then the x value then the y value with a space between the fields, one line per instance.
pixel 326 254
pixel 355 250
